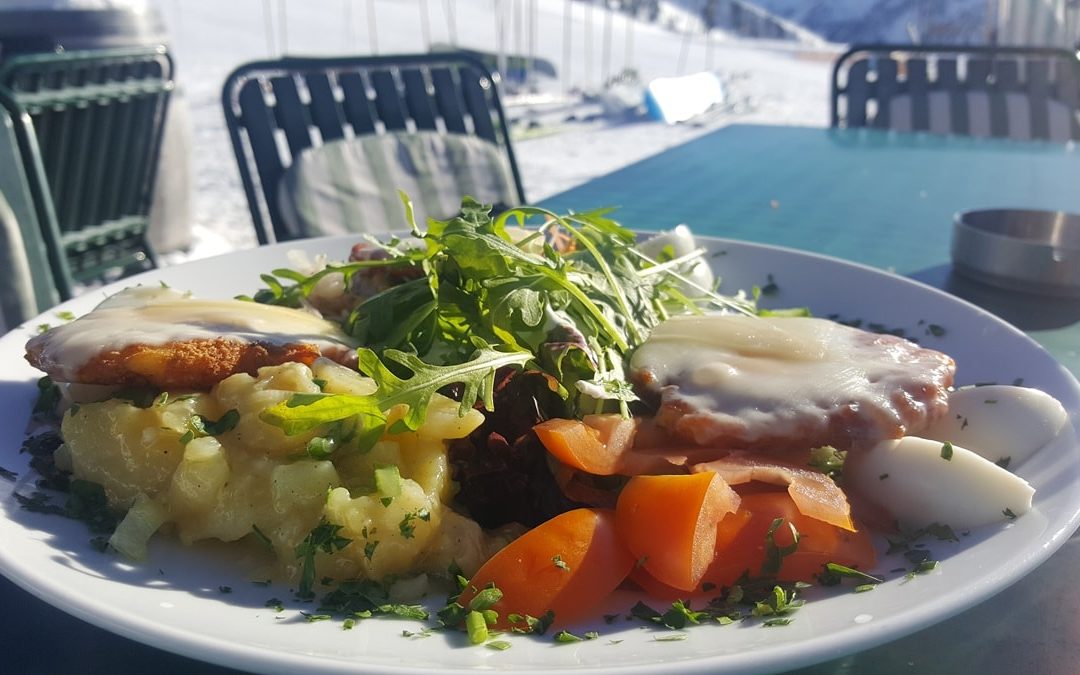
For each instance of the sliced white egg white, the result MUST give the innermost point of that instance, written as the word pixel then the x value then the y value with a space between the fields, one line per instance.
pixel 922 481
pixel 682 242
pixel 1000 421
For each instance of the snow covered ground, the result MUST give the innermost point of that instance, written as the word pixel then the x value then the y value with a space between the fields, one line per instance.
pixel 558 146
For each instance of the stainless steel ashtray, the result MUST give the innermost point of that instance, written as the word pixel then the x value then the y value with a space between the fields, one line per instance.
pixel 1018 249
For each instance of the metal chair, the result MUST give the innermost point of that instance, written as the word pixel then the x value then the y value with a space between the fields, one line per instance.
pixel 275 110
pixel 88 126
pixel 1013 92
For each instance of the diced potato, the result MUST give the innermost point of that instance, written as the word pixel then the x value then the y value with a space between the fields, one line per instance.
pixel 251 395
pixel 302 486
pixel 199 477
pixel 442 420
pixel 357 470
pixel 459 541
pixel 125 449
pixel 387 538
pixel 245 500
pixel 342 380
pixel 425 461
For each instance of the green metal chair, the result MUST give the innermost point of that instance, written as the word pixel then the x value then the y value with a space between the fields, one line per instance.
pixel 26 287
pixel 1012 92
pixel 277 110
pixel 88 126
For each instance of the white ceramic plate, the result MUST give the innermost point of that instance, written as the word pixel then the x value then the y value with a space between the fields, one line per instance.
pixel 174 602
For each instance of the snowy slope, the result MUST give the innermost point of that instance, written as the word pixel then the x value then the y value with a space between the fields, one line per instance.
pixel 929 21
pixel 847 21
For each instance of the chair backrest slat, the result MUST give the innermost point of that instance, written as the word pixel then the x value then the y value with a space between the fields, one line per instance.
pixel 1038 82
pixel 1017 92
pixel 259 127
pixel 291 114
pixel 948 77
pixel 388 102
pixel 918 83
pixel 885 87
pixel 479 111
pixel 325 112
pixel 324 99
pixel 357 104
pixel 417 99
pixel 448 100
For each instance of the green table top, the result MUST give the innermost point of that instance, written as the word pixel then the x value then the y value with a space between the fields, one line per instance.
pixel 880 198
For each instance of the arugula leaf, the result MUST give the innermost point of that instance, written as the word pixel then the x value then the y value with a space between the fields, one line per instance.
pixel 477 375
pixel 304 412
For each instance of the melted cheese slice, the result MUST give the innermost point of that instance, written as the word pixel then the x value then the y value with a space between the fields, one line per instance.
pixel 773 376
pixel 158 316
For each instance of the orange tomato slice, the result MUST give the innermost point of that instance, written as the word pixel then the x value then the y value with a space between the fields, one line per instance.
pixel 819 543
pixel 595 445
pixel 568 565
pixel 669 523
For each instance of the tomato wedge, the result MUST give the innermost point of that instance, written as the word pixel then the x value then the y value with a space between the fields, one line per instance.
pixel 726 531
pixel 595 445
pixel 568 565
pixel 669 522
pixel 819 543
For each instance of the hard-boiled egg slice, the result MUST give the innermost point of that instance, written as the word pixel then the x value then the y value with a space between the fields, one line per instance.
pixel 922 481
pixel 682 242
pixel 999 422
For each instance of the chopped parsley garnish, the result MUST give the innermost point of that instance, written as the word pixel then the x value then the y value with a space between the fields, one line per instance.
pixel 923 568
pixel 774 555
pixel 200 426
pixel 566 636
pixel 324 537
pixel 560 563
pixel 833 573
pixel 49 397
pixel 407 527
pixel 369 549
pixel 86 501
pixel 261 536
